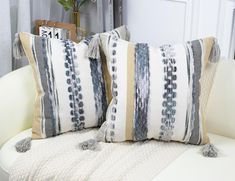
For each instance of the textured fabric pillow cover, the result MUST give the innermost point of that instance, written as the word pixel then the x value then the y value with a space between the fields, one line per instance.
pixel 71 91
pixel 159 93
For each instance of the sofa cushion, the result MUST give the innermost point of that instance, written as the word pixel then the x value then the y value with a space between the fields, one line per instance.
pixel 221 105
pixel 17 96
pixel 159 93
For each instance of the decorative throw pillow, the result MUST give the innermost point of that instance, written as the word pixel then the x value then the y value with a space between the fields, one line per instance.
pixel 159 93
pixel 71 91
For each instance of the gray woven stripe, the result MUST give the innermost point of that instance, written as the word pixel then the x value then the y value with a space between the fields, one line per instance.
pixel 74 87
pixel 142 91
pixel 45 75
pixel 99 89
pixel 197 54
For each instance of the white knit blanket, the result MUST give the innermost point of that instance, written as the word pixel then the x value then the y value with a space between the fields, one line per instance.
pixel 60 159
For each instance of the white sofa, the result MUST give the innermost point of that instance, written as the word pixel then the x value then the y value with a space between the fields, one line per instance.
pixel 17 94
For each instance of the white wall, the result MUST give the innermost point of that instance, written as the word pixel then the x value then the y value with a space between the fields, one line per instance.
pixel 166 20
pixel 208 18
pixel 173 21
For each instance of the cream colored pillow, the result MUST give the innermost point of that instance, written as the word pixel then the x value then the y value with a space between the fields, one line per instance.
pixel 17 96
pixel 221 105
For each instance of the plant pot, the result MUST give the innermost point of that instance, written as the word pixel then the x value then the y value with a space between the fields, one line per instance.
pixel 76 18
pixel 81 32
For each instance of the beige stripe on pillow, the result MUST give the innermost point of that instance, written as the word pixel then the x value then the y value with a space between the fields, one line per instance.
pixel 36 133
pixel 206 81
pixel 130 92
pixel 208 42
pixel 107 77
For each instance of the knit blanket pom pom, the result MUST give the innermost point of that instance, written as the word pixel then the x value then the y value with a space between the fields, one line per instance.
pixel 209 150
pixel 23 145
pixel 90 144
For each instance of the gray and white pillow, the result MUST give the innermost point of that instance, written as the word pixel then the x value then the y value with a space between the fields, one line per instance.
pixel 71 90
pixel 159 93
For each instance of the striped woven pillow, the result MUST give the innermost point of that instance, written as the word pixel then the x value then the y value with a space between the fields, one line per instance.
pixel 159 93
pixel 71 90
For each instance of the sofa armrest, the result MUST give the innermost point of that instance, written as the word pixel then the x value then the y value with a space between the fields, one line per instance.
pixel 17 96
pixel 220 109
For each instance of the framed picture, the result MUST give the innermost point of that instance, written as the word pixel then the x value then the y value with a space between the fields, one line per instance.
pixel 56 30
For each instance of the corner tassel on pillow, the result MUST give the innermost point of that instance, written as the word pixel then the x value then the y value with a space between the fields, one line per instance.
pixel 18 51
pixel 128 35
pixel 100 136
pixel 93 144
pixel 209 150
pixel 215 52
pixel 93 48
pixel 90 144
pixel 23 145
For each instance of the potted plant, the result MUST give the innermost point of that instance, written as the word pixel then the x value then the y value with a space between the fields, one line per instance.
pixel 75 6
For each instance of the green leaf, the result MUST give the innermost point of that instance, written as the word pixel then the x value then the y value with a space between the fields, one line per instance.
pixel 81 3
pixel 67 4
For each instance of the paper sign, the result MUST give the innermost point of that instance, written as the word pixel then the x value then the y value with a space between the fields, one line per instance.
pixel 46 31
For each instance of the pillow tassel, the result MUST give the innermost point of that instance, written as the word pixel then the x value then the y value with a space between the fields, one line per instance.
pixel 209 150
pixel 23 145
pixel 18 51
pixel 93 144
pixel 128 35
pixel 215 52
pixel 93 48
pixel 100 136
pixel 90 144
